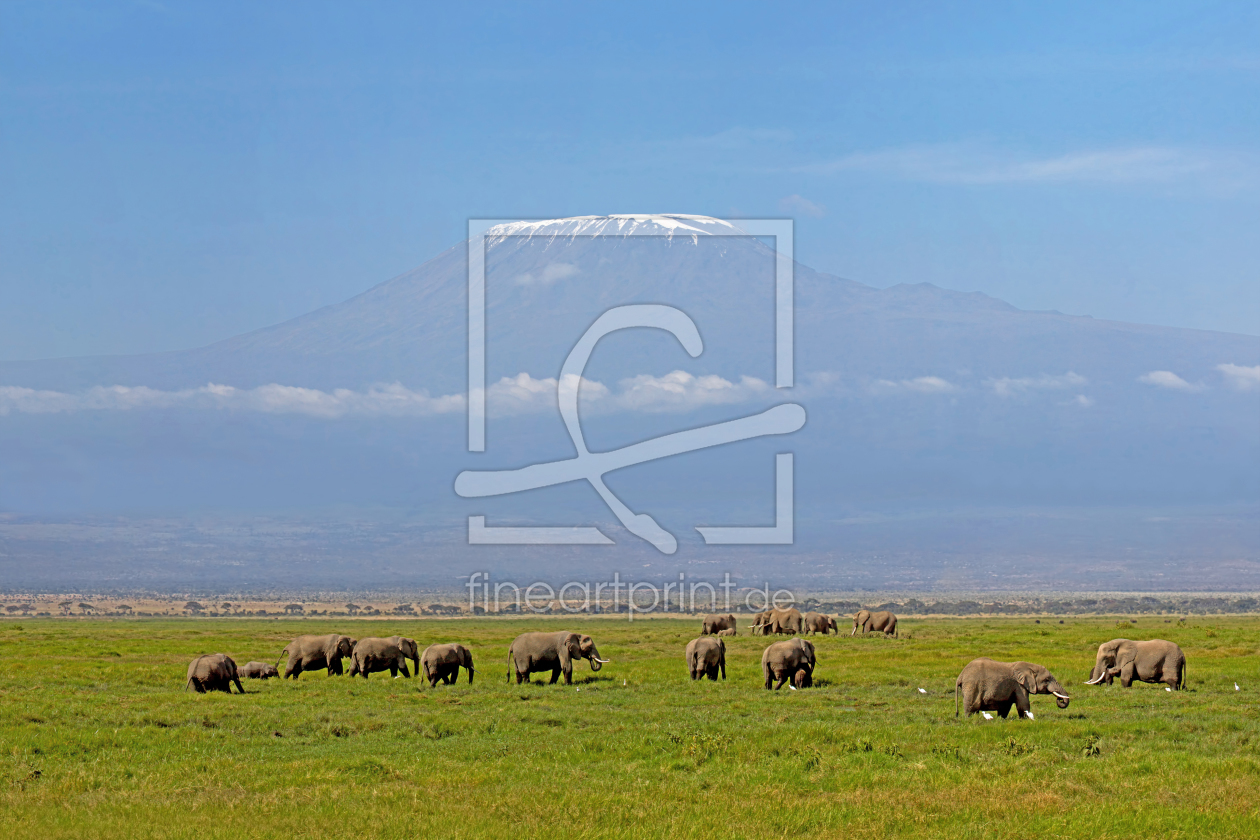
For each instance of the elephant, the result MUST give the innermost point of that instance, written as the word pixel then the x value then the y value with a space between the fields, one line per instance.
pixel 554 652
pixel 410 650
pixel 802 679
pixel 442 662
pixel 729 631
pixel 1152 661
pixel 714 624
pixel 213 672
pixel 258 671
pixel 308 653
pixel 781 660
pixel 778 621
pixel 705 657
pixel 377 655
pixel 882 621
pixel 761 623
pixel 989 686
pixel 819 623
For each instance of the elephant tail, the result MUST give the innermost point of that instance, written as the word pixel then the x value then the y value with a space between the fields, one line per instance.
pixel 956 699
pixel 509 670
pixel 283 654
pixel 188 684
pixel 1181 683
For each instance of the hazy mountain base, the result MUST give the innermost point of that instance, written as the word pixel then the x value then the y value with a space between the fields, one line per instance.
pixel 1023 551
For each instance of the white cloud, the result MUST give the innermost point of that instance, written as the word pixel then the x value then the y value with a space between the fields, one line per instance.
pixel 521 394
pixel 394 400
pixel 801 205
pixel 680 391
pixel 549 274
pixel 1013 386
pixel 1081 400
pixel 919 385
pixel 1167 379
pixel 974 164
pixel 1240 376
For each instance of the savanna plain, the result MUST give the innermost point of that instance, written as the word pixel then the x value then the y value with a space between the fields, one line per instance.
pixel 100 738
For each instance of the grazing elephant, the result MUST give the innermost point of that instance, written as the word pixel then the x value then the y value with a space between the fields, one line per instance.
pixel 705 657
pixel 730 631
pixel 989 686
pixel 371 655
pixel 781 660
pixel 802 679
pixel 882 621
pixel 761 623
pixel 714 624
pixel 213 672
pixel 409 649
pixel 819 623
pixel 258 671
pixel 1152 661
pixel 554 652
pixel 442 662
pixel 309 653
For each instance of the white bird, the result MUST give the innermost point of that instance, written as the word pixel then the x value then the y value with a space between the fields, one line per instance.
pixel 791 686
pixel 987 716
pixel 923 691
pixel 1166 688
pixel 1236 688
pixel 1030 714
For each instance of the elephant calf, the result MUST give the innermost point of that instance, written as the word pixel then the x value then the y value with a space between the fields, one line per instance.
pixel 530 653
pixel 729 631
pixel 705 657
pixel 213 672
pixel 371 655
pixel 258 671
pixel 781 660
pixel 442 662
pixel 1152 661
pixel 989 686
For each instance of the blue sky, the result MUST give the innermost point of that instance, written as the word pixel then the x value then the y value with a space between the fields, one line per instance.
pixel 175 174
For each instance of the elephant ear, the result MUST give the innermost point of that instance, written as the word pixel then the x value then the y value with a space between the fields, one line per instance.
pixel 1025 677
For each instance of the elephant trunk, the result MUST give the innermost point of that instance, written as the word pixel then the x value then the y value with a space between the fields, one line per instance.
pixel 1061 700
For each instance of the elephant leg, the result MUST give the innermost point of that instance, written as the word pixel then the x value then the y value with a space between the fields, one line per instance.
pixel 555 675
pixel 520 678
pixel 783 679
pixel 1004 709
pixel 240 688
pixel 404 670
pixel 723 666
pixel 1126 675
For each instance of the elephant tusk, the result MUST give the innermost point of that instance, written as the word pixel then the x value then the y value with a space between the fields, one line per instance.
pixel 1096 680
pixel 601 661
pixel 1057 694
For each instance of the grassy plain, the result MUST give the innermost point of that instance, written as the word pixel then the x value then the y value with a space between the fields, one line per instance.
pixel 99 738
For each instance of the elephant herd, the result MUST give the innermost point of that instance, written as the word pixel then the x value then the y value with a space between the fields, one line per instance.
pixel 985 685
pixel 529 653
pixel 791 621
pixel 219 672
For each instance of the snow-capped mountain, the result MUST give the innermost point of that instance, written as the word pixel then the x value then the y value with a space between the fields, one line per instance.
pixel 915 394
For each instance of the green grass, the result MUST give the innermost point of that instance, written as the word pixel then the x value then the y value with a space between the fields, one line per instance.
pixel 99 738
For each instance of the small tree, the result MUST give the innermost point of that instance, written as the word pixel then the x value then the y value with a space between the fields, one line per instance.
pixel 292 609
pixel 12 608
pixel 193 606
pixel 353 608
pixel 86 607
